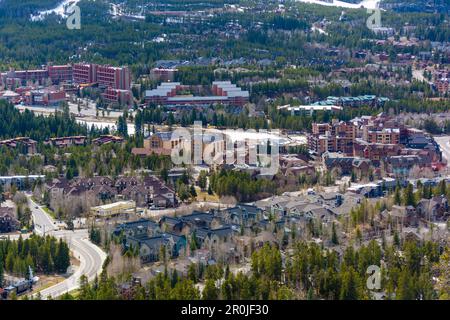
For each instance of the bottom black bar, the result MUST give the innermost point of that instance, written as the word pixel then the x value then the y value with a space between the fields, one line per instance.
pixel 166 310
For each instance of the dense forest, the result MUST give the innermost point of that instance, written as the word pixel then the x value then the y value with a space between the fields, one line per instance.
pixel 43 254
pixel 311 272
pixel 14 123
pixel 240 185
pixel 118 41
pixel 24 8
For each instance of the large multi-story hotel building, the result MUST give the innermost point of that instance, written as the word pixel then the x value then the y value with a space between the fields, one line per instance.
pixel 60 73
pixel 104 75
pixel 223 92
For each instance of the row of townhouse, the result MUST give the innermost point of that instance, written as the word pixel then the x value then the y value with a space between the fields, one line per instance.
pixel 294 213
pixel 146 192
pixel 27 145
pixel 209 231
pixel 234 228
pixel 365 100
pixel 298 216
pixel 435 209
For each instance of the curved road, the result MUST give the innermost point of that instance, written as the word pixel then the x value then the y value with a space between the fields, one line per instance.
pixel 444 144
pixel 91 256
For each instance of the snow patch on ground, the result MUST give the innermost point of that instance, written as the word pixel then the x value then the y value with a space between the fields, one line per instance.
pixel 367 4
pixel 60 10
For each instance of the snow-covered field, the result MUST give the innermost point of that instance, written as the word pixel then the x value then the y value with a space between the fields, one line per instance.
pixel 115 11
pixel 106 124
pixel 320 30
pixel 367 4
pixel 60 10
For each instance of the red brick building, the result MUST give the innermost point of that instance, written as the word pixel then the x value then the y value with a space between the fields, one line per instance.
pixel 119 96
pixel 375 151
pixel 334 137
pixel 104 75
pixel 60 73
pixel 84 73
pixel 38 75
pixel 45 97
pixel 382 136
pixel 115 77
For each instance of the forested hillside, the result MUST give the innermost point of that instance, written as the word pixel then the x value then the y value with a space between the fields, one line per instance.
pixel 13 124
pixel 23 8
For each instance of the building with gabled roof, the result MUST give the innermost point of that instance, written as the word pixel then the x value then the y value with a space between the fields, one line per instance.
pixel 8 221
pixel 150 247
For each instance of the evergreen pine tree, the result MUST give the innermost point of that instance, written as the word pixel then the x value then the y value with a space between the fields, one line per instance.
pixel 334 237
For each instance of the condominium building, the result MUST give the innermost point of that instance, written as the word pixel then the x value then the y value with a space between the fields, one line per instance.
pixel 119 96
pixel 84 73
pixel 334 137
pixel 223 92
pixel 382 136
pixel 25 143
pixel 104 75
pixel 114 77
pixel 60 73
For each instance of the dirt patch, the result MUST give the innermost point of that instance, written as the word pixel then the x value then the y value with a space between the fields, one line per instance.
pixel 204 196
pixel 74 262
pixel 47 281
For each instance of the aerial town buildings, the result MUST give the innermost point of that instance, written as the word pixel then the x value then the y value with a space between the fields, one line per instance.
pixel 380 140
pixel 114 81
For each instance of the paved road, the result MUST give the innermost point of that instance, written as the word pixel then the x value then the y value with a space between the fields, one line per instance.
pixel 444 144
pixel 91 257
pixel 43 223
pixel 89 112
pixel 91 261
